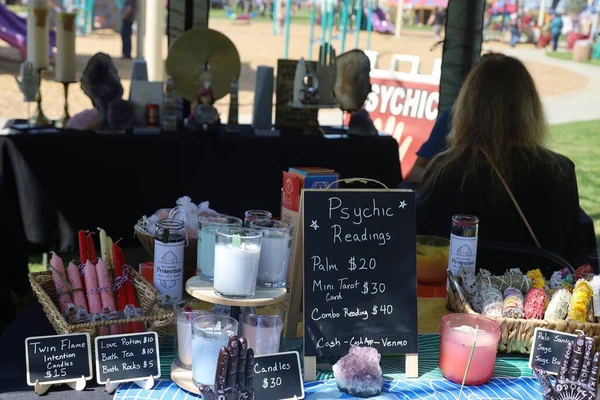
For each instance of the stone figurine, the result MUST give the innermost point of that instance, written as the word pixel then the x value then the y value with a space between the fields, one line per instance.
pixel 101 83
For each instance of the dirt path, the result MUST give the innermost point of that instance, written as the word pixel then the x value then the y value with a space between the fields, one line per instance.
pixel 257 46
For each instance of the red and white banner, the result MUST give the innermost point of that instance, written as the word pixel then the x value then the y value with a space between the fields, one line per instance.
pixel 405 106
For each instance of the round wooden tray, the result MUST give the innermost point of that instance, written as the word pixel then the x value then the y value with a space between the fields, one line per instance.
pixel 204 291
pixel 183 378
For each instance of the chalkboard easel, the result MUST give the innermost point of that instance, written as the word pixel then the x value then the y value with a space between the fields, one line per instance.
pixel 386 235
pixel 58 359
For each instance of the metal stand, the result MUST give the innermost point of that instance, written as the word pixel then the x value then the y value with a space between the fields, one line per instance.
pixel 62 122
pixel 38 118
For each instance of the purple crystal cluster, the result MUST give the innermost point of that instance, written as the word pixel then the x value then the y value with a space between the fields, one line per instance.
pixel 358 373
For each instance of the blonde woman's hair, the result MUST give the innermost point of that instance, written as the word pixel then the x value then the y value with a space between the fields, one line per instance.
pixel 498 111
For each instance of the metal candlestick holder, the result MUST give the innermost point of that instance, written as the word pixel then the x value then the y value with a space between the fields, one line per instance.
pixel 62 122
pixel 38 118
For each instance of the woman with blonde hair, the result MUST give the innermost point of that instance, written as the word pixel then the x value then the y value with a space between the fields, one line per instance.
pixel 497 167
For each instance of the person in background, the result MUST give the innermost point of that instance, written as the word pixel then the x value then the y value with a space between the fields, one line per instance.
pixel 438 19
pixel 515 32
pixel 281 16
pixel 127 18
pixel 556 26
pixel 496 153
pixel 435 144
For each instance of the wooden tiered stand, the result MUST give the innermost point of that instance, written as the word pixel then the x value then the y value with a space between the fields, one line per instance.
pixel 203 290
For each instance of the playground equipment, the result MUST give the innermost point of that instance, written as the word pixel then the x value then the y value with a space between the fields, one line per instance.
pixel 327 9
pixel 245 18
pixel 380 22
pixel 13 30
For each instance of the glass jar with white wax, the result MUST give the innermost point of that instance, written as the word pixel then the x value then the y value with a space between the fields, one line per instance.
pixel 237 254
pixel 274 252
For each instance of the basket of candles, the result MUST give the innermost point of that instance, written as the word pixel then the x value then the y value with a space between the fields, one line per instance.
pixel 101 296
pixel 567 302
pixel 186 211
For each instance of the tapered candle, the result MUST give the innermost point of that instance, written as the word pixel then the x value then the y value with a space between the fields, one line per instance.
pixel 130 291
pixel 60 282
pixel 75 281
pixel 65 43
pixel 106 294
pixel 122 290
pixel 83 256
pixel 93 297
pixel 38 33
pixel 108 257
pixel 103 244
pixel 91 249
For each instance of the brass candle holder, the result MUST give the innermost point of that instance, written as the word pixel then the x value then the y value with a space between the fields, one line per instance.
pixel 38 118
pixel 62 122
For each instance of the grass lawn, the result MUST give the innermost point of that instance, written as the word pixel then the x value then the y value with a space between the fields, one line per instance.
pixel 580 141
pixel 567 55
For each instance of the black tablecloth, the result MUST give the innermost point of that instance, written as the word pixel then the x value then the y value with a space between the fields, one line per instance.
pixel 52 185
pixel 13 380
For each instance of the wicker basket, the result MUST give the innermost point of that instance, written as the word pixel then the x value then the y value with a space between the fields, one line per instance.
pixel 190 256
pixel 517 334
pixel 156 318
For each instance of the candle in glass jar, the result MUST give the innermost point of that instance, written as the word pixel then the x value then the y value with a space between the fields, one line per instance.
pixel 262 329
pixel 185 312
pixel 274 252
pixel 209 334
pixel 456 341
pixel 256 215
pixel 207 227
pixel 38 33
pixel 237 253
pixel 65 43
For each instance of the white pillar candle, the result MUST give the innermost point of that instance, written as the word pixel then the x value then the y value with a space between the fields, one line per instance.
pixel 65 43
pixel 38 33
pixel 236 269
pixel 274 258
pixel 155 19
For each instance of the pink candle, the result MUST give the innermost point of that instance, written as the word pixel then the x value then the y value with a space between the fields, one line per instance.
pixel 456 341
pixel 75 281
pixel 106 294
pixel 93 297
pixel 60 282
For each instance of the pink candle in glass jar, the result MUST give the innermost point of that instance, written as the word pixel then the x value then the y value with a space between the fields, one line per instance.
pixel 456 341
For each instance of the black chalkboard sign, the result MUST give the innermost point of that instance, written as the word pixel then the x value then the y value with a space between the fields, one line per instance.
pixel 548 348
pixel 360 280
pixel 130 357
pixel 58 358
pixel 278 377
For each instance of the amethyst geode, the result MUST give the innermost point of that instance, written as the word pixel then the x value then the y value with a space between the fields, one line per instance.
pixel 358 373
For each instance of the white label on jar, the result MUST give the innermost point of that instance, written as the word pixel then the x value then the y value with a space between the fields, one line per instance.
pixel 168 271
pixel 463 253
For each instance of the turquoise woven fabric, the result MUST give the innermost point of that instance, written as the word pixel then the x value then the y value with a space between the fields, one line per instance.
pixel 507 366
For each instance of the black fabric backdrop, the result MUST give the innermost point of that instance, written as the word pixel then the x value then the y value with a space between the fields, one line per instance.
pixel 52 185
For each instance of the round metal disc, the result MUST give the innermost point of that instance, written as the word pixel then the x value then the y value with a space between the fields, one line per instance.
pixel 195 49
